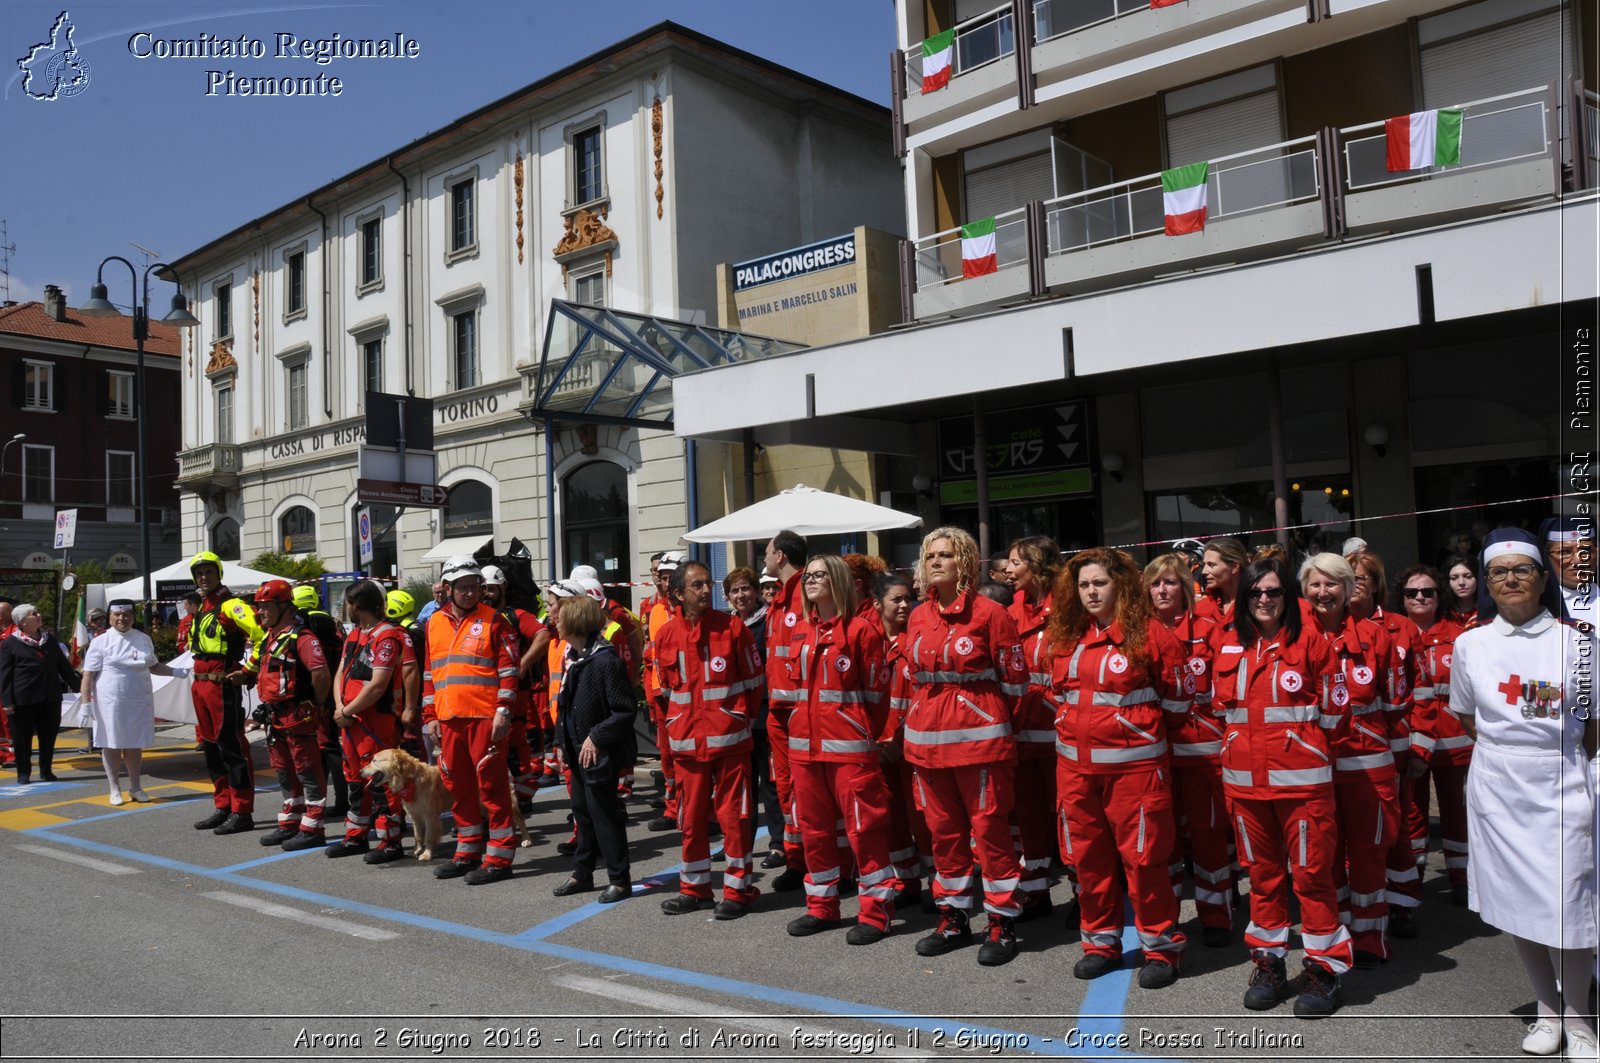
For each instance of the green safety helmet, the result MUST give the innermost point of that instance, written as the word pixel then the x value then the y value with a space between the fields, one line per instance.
pixel 399 605
pixel 306 597
pixel 205 557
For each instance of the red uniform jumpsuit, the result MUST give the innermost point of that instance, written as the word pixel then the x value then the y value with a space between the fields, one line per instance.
pixel 839 718
pixel 1032 819
pixel 1113 783
pixel 784 614
pixel 1405 881
pixel 1277 770
pixel 1365 787
pixel 967 672
pixel 376 729
pixel 910 844
pixel 471 676
pixel 525 627
pixel 223 632
pixel 7 757
pixel 1439 739
pixel 1201 808
pixel 710 670
pixel 283 664
pixel 660 612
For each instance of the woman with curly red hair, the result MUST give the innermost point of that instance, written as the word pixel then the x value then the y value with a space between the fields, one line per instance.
pixel 1118 680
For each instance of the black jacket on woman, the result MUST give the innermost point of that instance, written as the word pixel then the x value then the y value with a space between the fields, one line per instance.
pixel 597 701
pixel 34 675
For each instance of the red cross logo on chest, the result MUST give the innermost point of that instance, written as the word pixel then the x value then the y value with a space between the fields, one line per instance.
pixel 1512 689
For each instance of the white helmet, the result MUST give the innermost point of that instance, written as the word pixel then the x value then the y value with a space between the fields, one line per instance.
pixel 671 560
pixel 458 566
pixel 563 589
pixel 592 588
pixel 492 576
pixel 583 572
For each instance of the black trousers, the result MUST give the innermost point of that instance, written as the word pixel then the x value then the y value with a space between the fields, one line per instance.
pixel 766 787
pixel 602 824
pixel 43 720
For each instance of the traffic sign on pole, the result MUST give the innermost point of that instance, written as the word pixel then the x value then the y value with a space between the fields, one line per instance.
pixel 364 532
pixel 66 528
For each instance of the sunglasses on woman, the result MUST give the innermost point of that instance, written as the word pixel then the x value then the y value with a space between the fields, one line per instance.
pixel 1421 592
pixel 1265 592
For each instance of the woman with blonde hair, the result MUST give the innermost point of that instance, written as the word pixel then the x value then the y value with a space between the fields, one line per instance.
pixel 967 671
pixel 1032 564
pixel 1117 679
pixel 1201 808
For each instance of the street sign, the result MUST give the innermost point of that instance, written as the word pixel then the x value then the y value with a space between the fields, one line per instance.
pixel 410 467
pixel 393 417
pixel 364 532
pixel 395 493
pixel 66 528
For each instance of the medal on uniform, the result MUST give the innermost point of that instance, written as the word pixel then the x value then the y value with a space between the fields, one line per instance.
pixel 1530 711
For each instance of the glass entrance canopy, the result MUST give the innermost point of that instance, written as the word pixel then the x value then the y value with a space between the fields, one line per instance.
pixel 611 365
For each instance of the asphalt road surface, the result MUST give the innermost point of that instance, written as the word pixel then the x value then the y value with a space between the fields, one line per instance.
pixel 128 934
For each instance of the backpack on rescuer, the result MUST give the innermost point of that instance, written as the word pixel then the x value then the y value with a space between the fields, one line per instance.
pixel 521 589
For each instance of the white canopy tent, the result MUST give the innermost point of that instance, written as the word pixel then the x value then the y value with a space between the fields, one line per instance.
pixel 806 511
pixel 234 576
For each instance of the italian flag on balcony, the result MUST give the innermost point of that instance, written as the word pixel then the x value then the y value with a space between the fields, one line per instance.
pixel 977 248
pixel 936 52
pixel 1183 198
pixel 1427 138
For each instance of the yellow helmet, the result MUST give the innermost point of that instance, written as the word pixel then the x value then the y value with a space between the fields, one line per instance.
pixel 205 557
pixel 305 597
pixel 399 605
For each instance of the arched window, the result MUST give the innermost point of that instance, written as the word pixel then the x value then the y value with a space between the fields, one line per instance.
pixel 594 520
pixel 385 557
pixel 225 539
pixel 469 510
pixel 297 531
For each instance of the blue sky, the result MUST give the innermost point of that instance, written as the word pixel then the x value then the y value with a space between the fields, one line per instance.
pixel 143 155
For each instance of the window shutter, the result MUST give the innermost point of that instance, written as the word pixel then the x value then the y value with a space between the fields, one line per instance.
pixel 1239 125
pixel 1523 55
pixel 997 189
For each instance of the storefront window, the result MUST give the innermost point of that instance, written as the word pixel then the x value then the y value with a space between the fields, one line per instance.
pixel 1319 507
pixel 1476 498
pixel 594 520
pixel 469 510
pixel 225 539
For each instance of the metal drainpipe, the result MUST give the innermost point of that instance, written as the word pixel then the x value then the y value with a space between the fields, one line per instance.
pixel 405 269
pixel 550 494
pixel 692 485
pixel 327 350
pixel 1280 475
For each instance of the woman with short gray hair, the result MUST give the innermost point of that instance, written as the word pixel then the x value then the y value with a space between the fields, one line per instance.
pixel 34 673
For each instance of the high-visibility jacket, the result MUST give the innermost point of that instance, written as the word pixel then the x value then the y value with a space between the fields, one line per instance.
pixel 556 667
pixel 1362 666
pixel 1036 712
pixel 224 630
pixel 661 611
pixel 710 671
pixel 1436 732
pixel 1113 710
pixel 967 672
pixel 1281 730
pixel 842 712
pixel 472 665
pixel 1402 639
pixel 283 663
pixel 786 612
pixel 1198 736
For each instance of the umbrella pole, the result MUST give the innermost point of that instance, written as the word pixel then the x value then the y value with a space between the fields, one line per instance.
pixel 980 462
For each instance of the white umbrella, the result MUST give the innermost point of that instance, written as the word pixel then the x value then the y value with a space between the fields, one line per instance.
pixel 234 576
pixel 806 511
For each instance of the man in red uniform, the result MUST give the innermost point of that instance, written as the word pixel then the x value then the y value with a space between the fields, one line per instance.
pixel 786 554
pixel 191 606
pixel 709 669
pixel 291 676
pixel 224 630
pixel 366 711
pixel 662 609
pixel 468 691
pixel 533 641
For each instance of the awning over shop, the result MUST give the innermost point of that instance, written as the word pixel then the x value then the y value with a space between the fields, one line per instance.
pixel 605 365
pixel 470 545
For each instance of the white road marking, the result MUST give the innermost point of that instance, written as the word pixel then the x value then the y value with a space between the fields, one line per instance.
pixel 672 1004
pixel 281 911
pixel 82 861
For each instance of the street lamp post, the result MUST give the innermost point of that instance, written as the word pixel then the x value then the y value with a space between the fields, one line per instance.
pixel 99 306
pixel 19 437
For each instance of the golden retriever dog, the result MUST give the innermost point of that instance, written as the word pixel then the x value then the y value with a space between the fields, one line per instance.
pixel 422 791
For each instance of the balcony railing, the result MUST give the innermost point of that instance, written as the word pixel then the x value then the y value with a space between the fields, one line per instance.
pixel 1591 135
pixel 938 256
pixel 217 463
pixel 1057 18
pixel 979 41
pixel 1238 184
pixel 1494 131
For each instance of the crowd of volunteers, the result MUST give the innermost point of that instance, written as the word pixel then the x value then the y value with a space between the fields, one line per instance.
pixel 959 737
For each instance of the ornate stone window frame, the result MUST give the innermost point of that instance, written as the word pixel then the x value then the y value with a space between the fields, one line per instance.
pixel 450 183
pixel 601 205
pixel 301 249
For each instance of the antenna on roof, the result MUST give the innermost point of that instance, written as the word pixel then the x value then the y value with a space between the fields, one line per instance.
pixel 149 255
pixel 6 248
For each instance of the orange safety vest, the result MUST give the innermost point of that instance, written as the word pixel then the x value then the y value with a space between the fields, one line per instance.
pixel 556 659
pixel 465 666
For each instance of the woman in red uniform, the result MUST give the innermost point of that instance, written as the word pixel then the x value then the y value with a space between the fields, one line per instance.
pixel 1221 563
pixel 967 672
pixel 1117 680
pixel 1269 675
pixel 1032 566
pixel 1461 599
pixel 910 846
pixel 1365 786
pixel 1201 809
pixel 841 715
pixel 1440 746
pixel 1366 603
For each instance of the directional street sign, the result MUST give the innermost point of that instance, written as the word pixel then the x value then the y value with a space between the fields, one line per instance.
pixel 395 493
